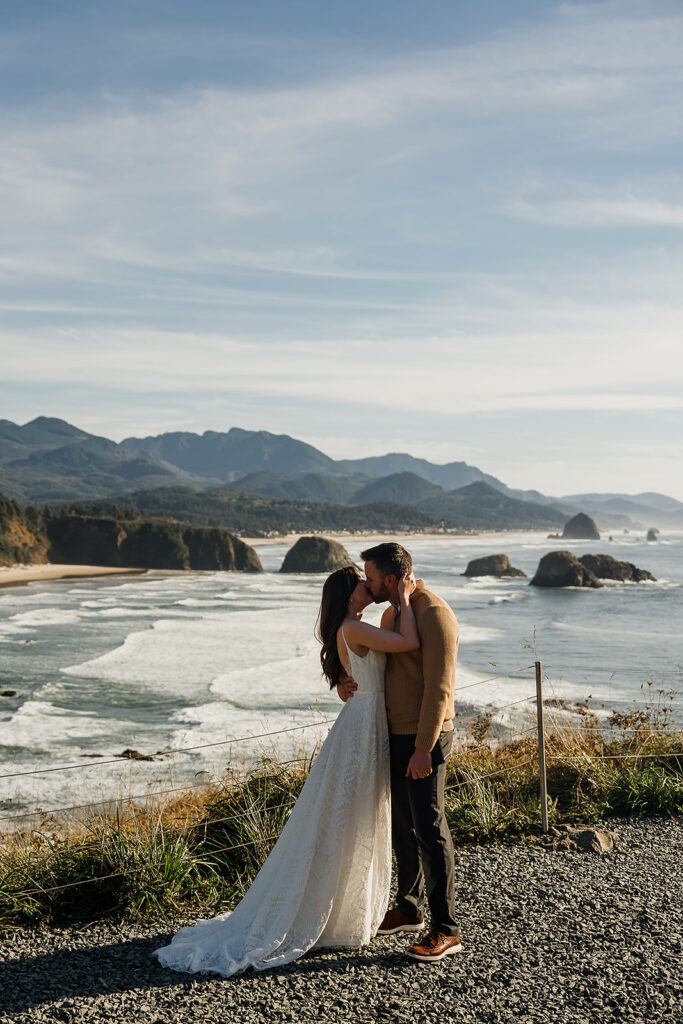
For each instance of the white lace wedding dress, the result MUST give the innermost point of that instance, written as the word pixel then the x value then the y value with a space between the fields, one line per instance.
pixel 326 881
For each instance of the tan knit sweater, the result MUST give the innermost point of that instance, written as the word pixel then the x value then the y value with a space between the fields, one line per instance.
pixel 419 685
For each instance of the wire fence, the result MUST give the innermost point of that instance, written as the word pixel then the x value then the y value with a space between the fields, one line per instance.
pixel 169 753
pixel 132 797
pixel 542 750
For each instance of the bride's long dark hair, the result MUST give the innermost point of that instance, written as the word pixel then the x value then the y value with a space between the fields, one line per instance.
pixel 337 590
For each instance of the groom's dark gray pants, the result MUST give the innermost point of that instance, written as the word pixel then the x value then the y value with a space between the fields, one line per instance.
pixel 420 836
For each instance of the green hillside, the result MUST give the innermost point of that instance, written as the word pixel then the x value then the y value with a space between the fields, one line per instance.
pixel 256 515
pixel 481 507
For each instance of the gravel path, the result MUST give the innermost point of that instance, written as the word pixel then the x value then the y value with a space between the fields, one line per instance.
pixel 547 936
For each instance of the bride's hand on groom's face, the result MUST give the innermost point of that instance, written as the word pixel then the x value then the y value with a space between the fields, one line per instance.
pixel 407 584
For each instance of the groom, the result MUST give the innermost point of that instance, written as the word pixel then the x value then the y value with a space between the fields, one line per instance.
pixel 419 698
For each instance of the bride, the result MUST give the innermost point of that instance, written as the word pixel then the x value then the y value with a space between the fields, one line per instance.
pixel 326 880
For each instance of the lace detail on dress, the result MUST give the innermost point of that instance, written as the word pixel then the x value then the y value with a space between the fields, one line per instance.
pixel 326 881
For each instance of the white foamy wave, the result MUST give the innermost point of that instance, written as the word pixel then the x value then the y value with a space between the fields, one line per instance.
pixel 239 734
pixel 46 617
pixel 477 634
pixel 39 725
pixel 200 602
pixel 573 627
pixel 280 683
pixel 122 612
pixel 180 655
pixel 508 598
pixel 10 632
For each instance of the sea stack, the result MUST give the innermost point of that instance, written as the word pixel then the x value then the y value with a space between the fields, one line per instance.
pixel 563 569
pixel 580 527
pixel 492 565
pixel 316 554
pixel 607 568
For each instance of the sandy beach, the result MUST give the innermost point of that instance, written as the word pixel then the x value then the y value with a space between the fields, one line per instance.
pixel 16 575
pixel 367 538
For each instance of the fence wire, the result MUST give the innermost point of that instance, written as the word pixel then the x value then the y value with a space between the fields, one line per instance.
pixel 171 753
pixel 489 775
pixel 151 795
pixel 610 757
pixel 615 671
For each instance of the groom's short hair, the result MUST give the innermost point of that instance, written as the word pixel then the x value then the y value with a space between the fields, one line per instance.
pixel 390 559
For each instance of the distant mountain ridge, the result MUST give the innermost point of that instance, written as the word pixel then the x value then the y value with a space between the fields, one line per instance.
pixel 50 460
pixel 226 457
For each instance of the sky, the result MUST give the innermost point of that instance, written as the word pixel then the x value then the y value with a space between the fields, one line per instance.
pixel 446 228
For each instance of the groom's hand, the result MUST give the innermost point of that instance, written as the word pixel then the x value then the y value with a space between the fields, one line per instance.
pixel 420 765
pixel 346 688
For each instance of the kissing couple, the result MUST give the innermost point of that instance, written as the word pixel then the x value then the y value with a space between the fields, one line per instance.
pixel 377 782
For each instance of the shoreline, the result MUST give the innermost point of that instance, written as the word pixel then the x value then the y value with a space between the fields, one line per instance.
pixel 378 538
pixel 20 575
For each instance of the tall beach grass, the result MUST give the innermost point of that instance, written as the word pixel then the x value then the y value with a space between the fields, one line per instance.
pixel 199 852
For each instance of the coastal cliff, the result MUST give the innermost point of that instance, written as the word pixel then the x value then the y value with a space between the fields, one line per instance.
pixel 22 534
pixel 29 536
pixel 147 543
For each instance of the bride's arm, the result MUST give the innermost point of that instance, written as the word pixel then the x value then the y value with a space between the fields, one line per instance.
pixel 407 639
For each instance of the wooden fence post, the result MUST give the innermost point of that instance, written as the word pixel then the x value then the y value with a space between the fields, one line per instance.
pixel 541 748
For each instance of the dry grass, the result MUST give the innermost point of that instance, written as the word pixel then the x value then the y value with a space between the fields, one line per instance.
pixel 200 850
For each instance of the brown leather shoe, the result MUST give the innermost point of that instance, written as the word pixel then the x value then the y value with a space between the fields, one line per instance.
pixel 396 921
pixel 434 946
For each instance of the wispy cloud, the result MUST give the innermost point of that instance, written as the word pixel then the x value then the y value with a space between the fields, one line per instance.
pixel 441 220
pixel 165 181
pixel 573 205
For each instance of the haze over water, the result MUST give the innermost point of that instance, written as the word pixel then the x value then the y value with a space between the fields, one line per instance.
pixel 167 661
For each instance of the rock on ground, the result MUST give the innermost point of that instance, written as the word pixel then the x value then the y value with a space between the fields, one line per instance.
pixel 549 937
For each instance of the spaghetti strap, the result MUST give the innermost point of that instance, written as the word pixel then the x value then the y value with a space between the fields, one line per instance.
pixel 346 644
pixel 352 653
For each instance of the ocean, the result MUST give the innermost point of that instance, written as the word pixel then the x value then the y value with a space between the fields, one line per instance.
pixel 166 661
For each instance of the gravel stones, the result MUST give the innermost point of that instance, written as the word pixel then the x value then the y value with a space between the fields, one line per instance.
pixel 548 937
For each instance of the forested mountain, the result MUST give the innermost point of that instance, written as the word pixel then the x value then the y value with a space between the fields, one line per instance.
pixel 228 456
pixel 49 460
pixel 650 509
pixel 231 455
pixel 255 515
pixel 449 476
pixel 335 488
pixel 479 506
pixel 405 488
